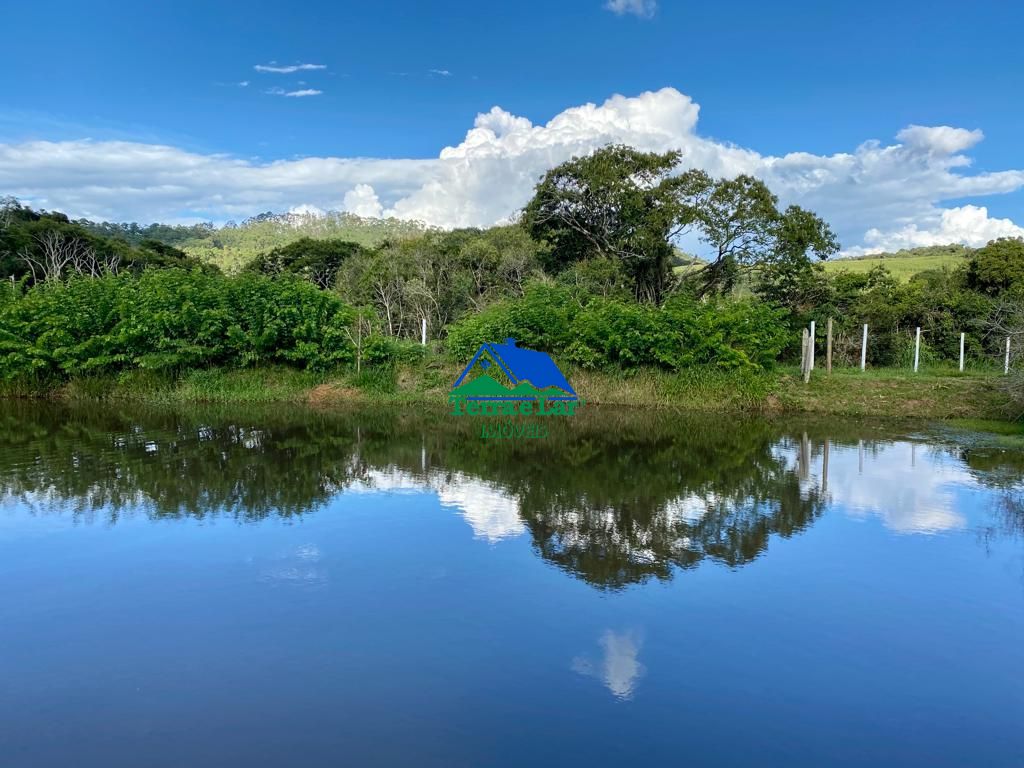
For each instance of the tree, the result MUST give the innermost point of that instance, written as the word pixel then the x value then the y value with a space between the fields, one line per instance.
pixel 789 277
pixel 739 220
pixel 998 266
pixel 620 203
pixel 316 260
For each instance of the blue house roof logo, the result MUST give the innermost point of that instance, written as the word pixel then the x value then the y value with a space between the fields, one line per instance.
pixel 509 373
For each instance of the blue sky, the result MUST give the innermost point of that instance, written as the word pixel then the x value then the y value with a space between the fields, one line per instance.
pixel 403 80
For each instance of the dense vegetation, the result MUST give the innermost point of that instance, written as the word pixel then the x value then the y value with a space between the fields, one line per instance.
pixel 590 273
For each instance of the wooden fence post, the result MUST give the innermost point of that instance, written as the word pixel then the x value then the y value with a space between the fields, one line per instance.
pixel 423 332
pixel 806 369
pixel 828 348
pixel 961 353
pixel 864 348
pixel 1006 363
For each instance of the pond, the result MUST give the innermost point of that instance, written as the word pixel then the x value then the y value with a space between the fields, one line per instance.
pixel 219 587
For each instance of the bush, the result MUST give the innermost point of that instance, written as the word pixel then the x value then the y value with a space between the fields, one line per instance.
pixel 541 319
pixel 615 332
pixel 169 320
pixel 628 334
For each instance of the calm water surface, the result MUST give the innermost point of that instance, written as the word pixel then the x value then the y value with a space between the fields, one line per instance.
pixel 221 588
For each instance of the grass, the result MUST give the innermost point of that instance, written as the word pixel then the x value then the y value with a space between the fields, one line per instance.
pixel 904 264
pixel 889 392
pixel 938 393
pixel 260 385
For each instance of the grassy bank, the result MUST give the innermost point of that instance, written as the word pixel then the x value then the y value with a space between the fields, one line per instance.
pixel 884 393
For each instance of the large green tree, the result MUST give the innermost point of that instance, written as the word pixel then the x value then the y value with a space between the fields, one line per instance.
pixel 617 203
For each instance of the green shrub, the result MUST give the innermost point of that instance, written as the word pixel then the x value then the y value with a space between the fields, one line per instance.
pixel 624 333
pixel 541 319
pixel 169 320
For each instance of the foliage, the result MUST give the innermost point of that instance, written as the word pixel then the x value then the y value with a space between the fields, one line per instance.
pixel 41 246
pixel 315 260
pixel 439 277
pixel 541 319
pixel 617 203
pixel 740 221
pixel 615 332
pixel 997 267
pixel 169 320
pixel 233 246
pixel 938 301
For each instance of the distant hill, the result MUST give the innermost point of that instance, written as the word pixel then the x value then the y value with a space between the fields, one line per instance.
pixel 233 246
pixel 906 263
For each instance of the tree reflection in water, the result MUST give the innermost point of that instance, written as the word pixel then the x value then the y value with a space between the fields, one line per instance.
pixel 612 497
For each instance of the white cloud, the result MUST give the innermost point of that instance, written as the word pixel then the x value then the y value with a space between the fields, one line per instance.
pixel 491 511
pixel 619 667
pixel 968 224
pixel 941 139
pixel 307 210
pixel 875 196
pixel 294 94
pixel 287 69
pixel 645 9
pixel 912 488
pixel 363 201
pixel 243 84
pixel 441 72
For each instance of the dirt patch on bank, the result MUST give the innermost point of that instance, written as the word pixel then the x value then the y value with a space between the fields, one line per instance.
pixel 326 395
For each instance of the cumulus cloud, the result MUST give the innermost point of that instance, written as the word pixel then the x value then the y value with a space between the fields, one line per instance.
pixel 645 9
pixel 287 69
pixel 968 224
pixel 876 196
pixel 363 201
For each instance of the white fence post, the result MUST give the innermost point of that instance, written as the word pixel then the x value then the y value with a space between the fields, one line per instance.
pixel 961 353
pixel 811 363
pixel 917 349
pixel 423 332
pixel 864 348
pixel 1006 363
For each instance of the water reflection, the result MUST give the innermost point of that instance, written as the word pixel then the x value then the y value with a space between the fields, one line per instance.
pixel 614 498
pixel 618 666
pixel 491 512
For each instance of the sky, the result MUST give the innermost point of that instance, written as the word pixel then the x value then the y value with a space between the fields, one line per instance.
pixel 898 122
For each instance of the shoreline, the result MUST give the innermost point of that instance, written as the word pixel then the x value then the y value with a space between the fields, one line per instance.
pixel 880 393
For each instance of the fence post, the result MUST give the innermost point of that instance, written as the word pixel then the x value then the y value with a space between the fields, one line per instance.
pixel 864 348
pixel 961 353
pixel 806 368
pixel 828 348
pixel 917 348
pixel 1006 363
pixel 423 332
pixel 810 353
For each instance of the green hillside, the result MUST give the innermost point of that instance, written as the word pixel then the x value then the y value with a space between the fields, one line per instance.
pixel 231 247
pixel 906 263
